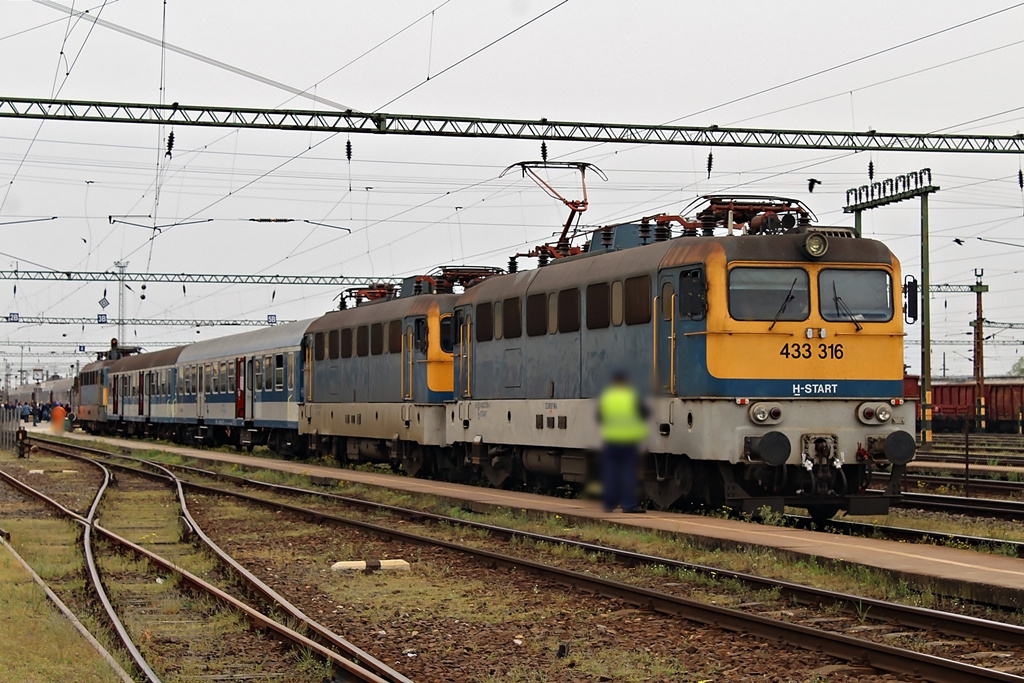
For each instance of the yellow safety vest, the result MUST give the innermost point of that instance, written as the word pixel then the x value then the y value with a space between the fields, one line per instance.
pixel 621 421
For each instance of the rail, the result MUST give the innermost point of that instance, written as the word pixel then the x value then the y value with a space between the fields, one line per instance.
pixel 845 647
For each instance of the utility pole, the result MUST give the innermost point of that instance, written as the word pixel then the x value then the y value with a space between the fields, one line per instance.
pixel 122 267
pixel 890 191
pixel 979 353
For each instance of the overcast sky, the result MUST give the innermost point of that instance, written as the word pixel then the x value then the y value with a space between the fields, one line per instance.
pixel 416 203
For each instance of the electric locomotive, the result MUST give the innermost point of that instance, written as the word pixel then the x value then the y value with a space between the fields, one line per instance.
pixel 773 355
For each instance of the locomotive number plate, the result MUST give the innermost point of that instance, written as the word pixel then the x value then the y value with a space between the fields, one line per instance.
pixel 797 351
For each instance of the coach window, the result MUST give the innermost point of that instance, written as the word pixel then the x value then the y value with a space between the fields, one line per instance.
pixel 847 295
pixel 552 312
pixel 362 341
pixel 208 386
pixel 225 387
pixel 376 339
pixel 512 318
pixel 597 306
pixel 484 322
pixel 569 310
pixel 318 346
pixel 536 315
pixel 268 373
pixel 395 336
pixel 232 386
pixel 693 294
pixel 346 342
pixel 637 300
pixel 333 345
pixel 769 294
pixel 279 372
pixel 290 370
pixel 257 382
pixel 214 381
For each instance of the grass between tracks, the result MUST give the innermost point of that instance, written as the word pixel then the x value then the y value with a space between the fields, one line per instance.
pixel 39 643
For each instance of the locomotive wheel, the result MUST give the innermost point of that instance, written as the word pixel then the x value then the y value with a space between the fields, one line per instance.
pixel 678 482
pixel 820 514
pixel 412 460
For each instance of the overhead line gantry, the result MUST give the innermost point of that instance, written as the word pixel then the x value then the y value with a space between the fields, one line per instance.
pixel 195 278
pixel 349 121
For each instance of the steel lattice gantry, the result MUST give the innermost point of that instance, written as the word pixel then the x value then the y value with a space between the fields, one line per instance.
pixel 191 278
pixel 131 322
pixel 465 127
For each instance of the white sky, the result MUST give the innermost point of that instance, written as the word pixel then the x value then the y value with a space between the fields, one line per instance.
pixel 439 201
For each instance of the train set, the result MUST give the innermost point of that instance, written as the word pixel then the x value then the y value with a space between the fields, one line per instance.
pixel 770 351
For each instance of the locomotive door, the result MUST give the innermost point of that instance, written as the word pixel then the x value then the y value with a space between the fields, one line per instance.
pixel 408 373
pixel 240 385
pixel 664 323
pixel 465 354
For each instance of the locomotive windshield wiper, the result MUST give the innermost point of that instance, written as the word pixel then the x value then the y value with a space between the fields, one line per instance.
pixel 785 303
pixel 842 308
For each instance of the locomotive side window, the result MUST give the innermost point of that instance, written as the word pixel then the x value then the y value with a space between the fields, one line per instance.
pixel 376 339
pixel 512 317
pixel 448 332
pixel 498 320
pixel 484 322
pixel 536 315
pixel 769 294
pixel 333 345
pixel 395 336
pixel 617 303
pixel 569 310
pixel 346 342
pixel 318 346
pixel 362 341
pixel 855 295
pixel 693 297
pixel 552 312
pixel 637 300
pixel 597 306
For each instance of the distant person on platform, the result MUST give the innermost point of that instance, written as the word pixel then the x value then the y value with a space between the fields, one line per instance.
pixel 623 418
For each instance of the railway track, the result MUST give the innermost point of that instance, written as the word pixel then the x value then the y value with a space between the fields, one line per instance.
pixel 353 664
pixel 882 656
pixel 1009 446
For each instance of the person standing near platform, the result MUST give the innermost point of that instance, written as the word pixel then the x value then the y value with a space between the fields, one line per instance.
pixel 623 418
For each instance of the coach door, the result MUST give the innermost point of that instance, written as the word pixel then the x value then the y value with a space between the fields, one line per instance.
pixel 240 386
pixel 250 392
pixel 115 392
pixel 200 390
pixel 143 394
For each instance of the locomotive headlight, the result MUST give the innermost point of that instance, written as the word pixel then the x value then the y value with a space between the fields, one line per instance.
pixel 883 413
pixel 759 413
pixel 815 245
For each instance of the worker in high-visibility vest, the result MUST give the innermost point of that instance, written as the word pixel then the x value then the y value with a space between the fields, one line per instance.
pixel 623 419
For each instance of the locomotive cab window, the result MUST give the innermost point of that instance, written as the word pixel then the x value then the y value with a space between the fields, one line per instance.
pixel 693 294
pixel 769 294
pixel 420 333
pixel 846 295
pixel 448 332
